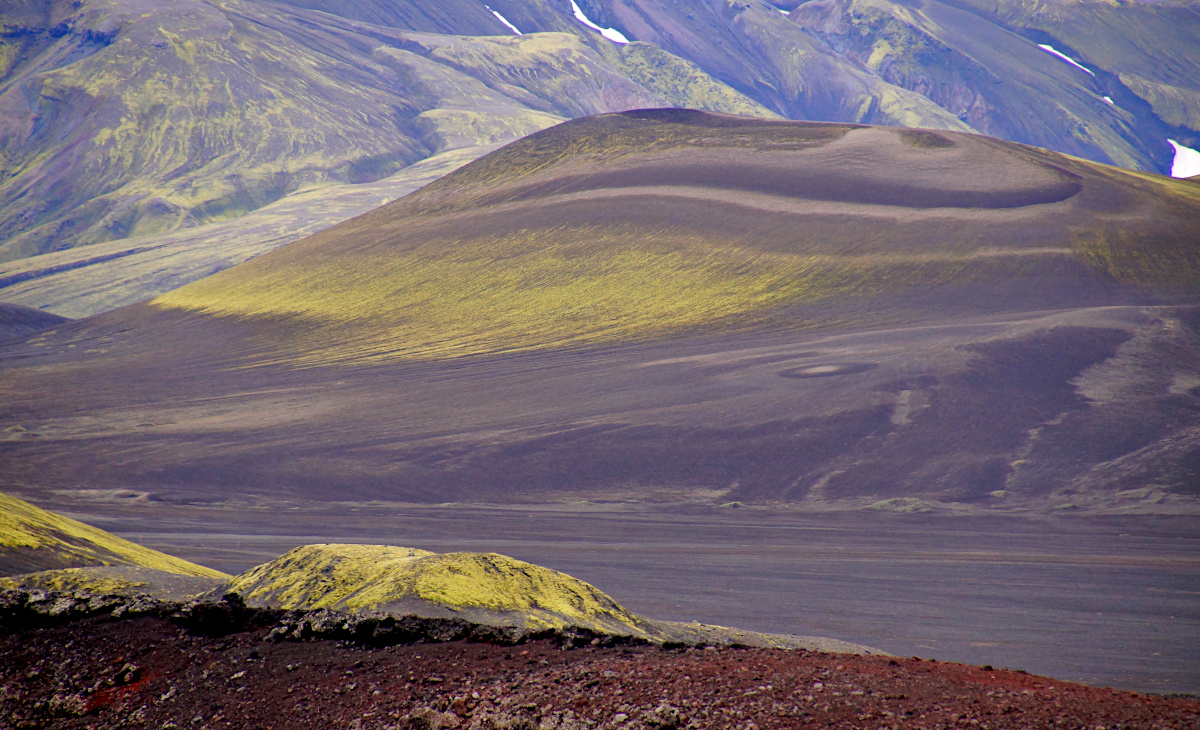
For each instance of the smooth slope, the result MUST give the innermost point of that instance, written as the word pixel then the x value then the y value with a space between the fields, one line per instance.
pixel 667 306
pixel 970 65
pixel 19 321
pixel 640 225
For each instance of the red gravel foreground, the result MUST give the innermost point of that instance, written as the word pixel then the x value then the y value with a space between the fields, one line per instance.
pixel 146 672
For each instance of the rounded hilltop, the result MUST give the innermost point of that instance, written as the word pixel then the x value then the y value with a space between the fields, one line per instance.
pixel 482 587
pixel 648 224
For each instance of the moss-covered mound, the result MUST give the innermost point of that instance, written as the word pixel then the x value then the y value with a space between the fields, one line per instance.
pixel 33 539
pixel 487 588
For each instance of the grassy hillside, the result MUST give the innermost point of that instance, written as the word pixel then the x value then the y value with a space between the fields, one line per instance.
pixel 32 539
pixel 144 118
pixel 85 280
pixel 483 587
pixel 643 225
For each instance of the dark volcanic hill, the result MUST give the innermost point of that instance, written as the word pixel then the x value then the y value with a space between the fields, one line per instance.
pixel 140 151
pixel 668 306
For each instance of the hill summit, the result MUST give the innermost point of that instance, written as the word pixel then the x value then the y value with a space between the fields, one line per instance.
pixel 640 225
pixel 483 587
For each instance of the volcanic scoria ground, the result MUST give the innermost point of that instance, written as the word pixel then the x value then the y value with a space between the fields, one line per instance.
pixel 147 672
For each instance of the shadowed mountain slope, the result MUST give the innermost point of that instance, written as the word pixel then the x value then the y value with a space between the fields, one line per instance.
pixel 35 539
pixel 668 306
pixel 16 321
pixel 951 64
pixel 996 78
pixel 85 280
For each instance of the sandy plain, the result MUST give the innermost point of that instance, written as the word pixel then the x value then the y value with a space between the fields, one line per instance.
pixel 1106 600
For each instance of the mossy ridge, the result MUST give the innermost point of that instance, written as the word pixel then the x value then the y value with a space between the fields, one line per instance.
pixel 527 290
pixel 374 577
pixel 413 291
pixel 320 576
pixel 26 527
pixel 613 136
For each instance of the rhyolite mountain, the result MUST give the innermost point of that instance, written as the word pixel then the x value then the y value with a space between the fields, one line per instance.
pixel 135 137
pixel 667 306
pixel 163 129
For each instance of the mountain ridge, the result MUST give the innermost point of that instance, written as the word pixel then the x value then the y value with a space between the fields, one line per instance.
pixel 405 72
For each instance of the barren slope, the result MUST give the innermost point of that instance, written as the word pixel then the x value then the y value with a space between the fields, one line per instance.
pixel 633 226
pixel 240 680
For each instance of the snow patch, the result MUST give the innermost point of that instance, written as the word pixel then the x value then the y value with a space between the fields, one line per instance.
pixel 1108 99
pixel 504 20
pixel 1065 57
pixel 1187 161
pixel 612 34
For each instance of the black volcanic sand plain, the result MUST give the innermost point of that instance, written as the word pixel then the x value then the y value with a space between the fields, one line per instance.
pixel 1107 600
pixel 666 306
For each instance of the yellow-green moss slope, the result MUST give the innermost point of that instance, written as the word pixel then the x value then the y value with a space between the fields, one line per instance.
pixel 488 588
pixel 641 225
pixel 116 580
pixel 32 538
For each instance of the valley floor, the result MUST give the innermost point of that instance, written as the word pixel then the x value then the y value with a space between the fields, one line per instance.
pixel 1106 600
pixel 146 672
